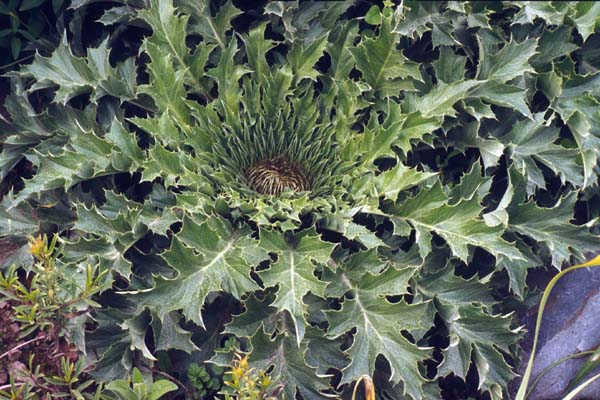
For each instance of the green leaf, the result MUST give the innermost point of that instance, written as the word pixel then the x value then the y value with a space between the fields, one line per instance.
pixel 206 256
pixel 445 286
pixel 160 388
pixel 302 59
pixel 306 21
pixel 389 183
pixel 517 269
pixel 294 271
pixel 511 61
pixel 504 95
pixel 577 106
pixel 342 61
pixel 18 221
pixel 256 47
pixel 551 227
pixel 168 41
pixel 212 28
pixel 378 324
pixel 15 47
pixel 383 67
pixel 417 18
pixel 478 336
pixel 459 225
pixel 166 87
pixel 440 100
pixel 288 363
pixel 227 74
pixel 110 346
pixel 531 10
pixel 74 75
pixel 168 334
pixel 373 16
pixel 257 314
pixel 63 167
pixel 468 135
pixel 449 67
pixel 126 144
pixel 551 46
pixel 586 17
pixel 323 353
pixel 122 389
pixel 530 143
pixel 396 130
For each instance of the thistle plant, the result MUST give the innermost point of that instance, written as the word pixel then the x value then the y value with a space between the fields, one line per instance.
pixel 319 183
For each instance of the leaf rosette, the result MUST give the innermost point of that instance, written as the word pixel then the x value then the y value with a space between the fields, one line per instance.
pixel 272 182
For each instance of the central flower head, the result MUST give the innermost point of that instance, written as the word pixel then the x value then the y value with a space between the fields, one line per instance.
pixel 272 176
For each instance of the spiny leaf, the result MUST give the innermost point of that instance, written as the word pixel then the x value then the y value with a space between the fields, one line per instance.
pixel 468 136
pixel 445 286
pixel 294 271
pixel 551 46
pixel 511 61
pixel 257 314
pixel 169 33
pixel 166 87
pixel 477 336
pixel 206 256
pixel 529 11
pixel 338 50
pixel 586 16
pixel 459 224
pixel 111 346
pixel 502 94
pixel 384 68
pixel 551 226
pixel 168 334
pixel 396 130
pixel 62 167
pixel 532 142
pixel 302 59
pixel 74 75
pixel 378 324
pixel 256 47
pixel 441 99
pixel 212 28
pixel 417 18
pixel 289 364
pixel 389 183
pixel 306 21
pixel 449 67
pixel 577 105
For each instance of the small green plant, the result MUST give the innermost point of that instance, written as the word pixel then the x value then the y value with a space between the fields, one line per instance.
pixel 54 292
pixel 206 381
pixel 41 305
pixel 24 21
pixel 69 382
pixel 137 388
pixel 245 383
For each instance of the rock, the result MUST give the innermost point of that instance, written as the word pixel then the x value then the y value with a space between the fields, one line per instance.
pixel 571 324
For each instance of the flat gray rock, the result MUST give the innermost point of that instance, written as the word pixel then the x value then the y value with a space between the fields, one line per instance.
pixel 571 324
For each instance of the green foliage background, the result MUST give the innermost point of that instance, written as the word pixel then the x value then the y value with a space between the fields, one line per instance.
pixel 451 147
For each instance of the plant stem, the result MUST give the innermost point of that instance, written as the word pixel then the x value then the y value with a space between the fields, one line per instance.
pixel 11 385
pixel 554 364
pixel 16 61
pixel 21 345
pixel 143 107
